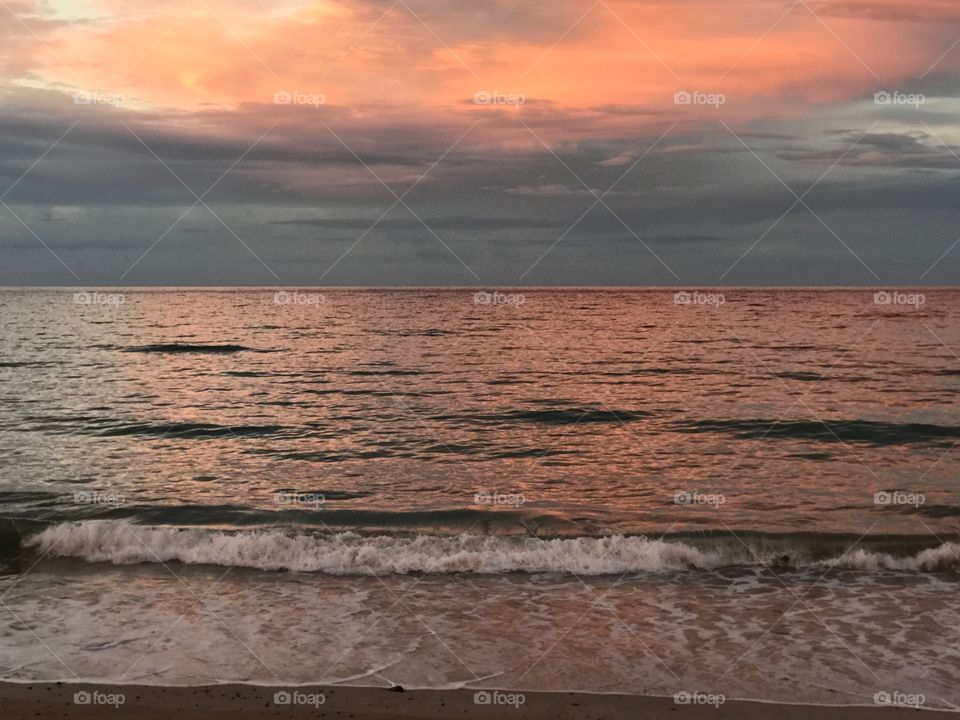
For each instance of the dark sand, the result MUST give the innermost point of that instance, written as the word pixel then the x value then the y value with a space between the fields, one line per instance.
pixel 239 702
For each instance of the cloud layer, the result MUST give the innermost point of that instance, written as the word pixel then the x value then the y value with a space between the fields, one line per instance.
pixel 446 142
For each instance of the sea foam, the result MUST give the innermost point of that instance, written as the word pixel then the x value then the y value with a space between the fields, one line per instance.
pixel 122 542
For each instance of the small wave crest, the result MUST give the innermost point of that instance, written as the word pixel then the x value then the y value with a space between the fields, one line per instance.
pixel 189 430
pixel 165 348
pixel 554 416
pixel 348 553
pixel 834 431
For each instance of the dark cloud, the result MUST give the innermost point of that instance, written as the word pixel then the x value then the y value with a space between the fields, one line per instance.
pixel 462 222
pixel 890 10
pixel 918 150
pixel 300 200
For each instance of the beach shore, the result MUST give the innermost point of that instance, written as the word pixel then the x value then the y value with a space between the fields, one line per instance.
pixel 75 700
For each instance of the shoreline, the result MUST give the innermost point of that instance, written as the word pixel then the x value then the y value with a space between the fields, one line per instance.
pixel 23 699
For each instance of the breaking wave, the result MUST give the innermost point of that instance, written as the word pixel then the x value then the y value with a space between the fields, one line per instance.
pixel 348 553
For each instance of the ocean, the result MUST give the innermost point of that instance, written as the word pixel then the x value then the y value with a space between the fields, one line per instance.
pixel 746 492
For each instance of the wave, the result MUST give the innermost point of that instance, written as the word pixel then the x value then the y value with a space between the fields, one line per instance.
pixel 798 375
pixel 861 431
pixel 554 416
pixel 386 373
pixel 188 348
pixel 325 494
pixel 119 427
pixel 10 541
pixel 349 553
pixel 24 364
pixel 189 430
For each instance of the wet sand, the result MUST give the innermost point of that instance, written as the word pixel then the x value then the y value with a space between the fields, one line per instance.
pixel 59 700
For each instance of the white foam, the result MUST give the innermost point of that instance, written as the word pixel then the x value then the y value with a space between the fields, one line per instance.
pixel 122 542
pixel 931 560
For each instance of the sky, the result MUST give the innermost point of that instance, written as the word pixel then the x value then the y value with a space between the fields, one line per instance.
pixel 479 142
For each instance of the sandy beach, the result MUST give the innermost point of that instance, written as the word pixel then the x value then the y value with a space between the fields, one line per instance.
pixel 49 700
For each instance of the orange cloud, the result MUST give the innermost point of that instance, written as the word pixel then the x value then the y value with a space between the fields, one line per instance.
pixel 419 61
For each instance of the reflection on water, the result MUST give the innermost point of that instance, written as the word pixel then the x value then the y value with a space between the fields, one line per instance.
pixel 596 406
pixel 757 497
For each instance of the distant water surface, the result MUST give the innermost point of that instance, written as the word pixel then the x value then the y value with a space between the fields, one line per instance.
pixel 698 466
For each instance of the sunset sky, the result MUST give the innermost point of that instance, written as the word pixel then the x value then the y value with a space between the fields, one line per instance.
pixel 491 142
